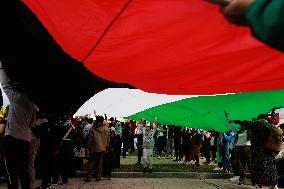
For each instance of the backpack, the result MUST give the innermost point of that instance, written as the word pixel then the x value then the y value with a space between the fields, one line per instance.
pixel 274 142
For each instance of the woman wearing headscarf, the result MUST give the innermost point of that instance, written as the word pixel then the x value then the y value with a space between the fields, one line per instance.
pixel 263 165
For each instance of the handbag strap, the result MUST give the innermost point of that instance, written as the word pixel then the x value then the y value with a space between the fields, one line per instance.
pixel 67 133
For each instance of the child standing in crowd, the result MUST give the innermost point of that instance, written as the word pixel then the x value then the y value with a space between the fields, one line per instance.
pixel 148 145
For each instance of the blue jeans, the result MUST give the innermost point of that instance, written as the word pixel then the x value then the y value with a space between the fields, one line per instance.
pixel 226 157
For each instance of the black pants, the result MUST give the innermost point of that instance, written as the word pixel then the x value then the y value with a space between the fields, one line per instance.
pixel 178 152
pixel 160 145
pixel 60 168
pixel 214 150
pixel 131 143
pixel 63 162
pixel 16 154
pixel 186 151
pixel 116 158
pixel 3 171
pixel 139 147
pixel 234 162
pixel 78 161
pixel 125 146
pixel 45 163
pixel 107 164
pixel 243 160
pixel 207 153
pixel 197 160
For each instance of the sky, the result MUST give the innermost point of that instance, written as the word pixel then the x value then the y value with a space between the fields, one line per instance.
pixel 5 99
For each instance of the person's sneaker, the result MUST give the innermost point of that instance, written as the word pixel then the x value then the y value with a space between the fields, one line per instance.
pixel 54 182
pixel 235 179
pixel 3 179
pixel 65 181
pixel 226 172
pixel 150 170
pixel 257 187
pixel 273 187
pixel 86 180
pixel 144 170
pixel 217 169
pixel 43 187
pixel 62 183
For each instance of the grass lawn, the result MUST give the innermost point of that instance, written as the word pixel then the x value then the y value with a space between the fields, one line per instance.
pixel 128 164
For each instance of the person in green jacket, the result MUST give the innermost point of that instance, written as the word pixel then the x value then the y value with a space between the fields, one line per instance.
pixel 265 18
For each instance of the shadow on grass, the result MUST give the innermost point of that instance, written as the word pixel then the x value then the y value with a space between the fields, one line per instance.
pixel 168 168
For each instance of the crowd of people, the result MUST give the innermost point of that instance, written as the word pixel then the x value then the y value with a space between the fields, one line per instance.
pixel 32 142
pixel 103 142
pixel 50 148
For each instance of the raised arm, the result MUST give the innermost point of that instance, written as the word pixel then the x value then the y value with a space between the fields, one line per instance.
pixel 155 124
pixel 266 21
pixel 9 86
pixel 246 124
pixel 264 17
pixel 229 122
pixel 3 75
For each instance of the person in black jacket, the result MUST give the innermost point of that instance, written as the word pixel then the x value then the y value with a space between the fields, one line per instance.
pixel 64 150
pixel 45 155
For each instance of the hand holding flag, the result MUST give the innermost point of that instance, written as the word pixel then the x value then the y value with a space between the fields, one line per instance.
pixel 228 121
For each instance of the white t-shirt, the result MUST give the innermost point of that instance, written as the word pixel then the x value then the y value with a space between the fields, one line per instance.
pixel 242 139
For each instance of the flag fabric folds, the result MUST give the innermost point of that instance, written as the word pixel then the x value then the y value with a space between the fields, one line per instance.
pixel 207 112
pixel 57 83
pixel 122 102
pixel 169 47
pixel 64 52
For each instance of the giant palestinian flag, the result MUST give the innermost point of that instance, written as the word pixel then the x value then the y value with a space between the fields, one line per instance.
pixel 207 112
pixel 122 102
pixel 64 52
